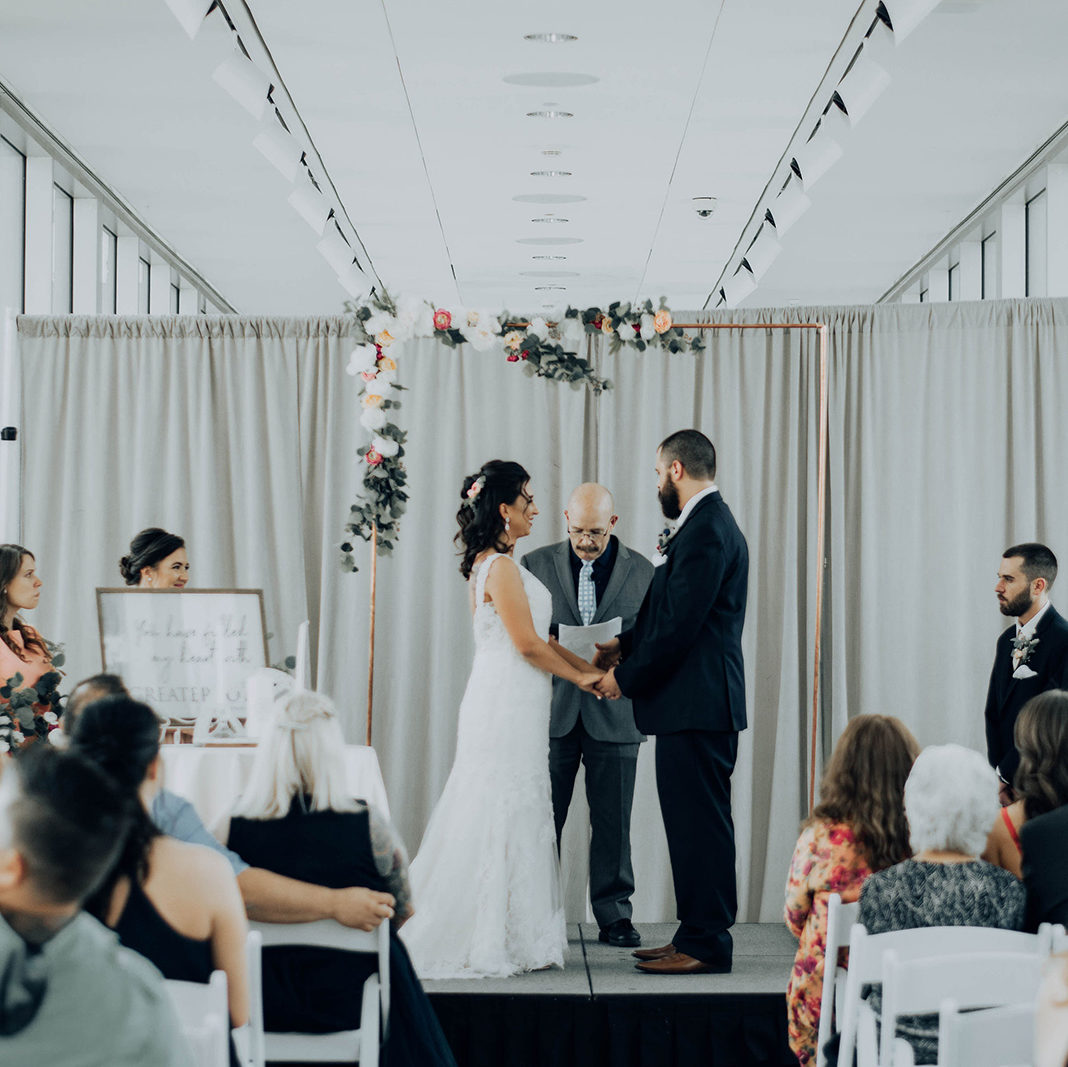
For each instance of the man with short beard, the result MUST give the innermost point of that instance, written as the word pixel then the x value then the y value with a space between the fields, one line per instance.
pixel 1031 656
pixel 681 664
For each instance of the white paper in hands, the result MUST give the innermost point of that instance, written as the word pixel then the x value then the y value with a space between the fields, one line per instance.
pixel 582 640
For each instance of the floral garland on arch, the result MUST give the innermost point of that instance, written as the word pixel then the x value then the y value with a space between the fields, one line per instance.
pixel 543 349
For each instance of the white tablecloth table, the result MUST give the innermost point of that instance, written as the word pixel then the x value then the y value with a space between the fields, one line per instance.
pixel 211 779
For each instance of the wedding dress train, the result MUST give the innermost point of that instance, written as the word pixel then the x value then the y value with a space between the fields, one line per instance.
pixel 485 884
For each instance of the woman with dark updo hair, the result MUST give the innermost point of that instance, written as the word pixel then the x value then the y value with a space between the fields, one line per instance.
pixel 175 903
pixel 157 560
pixel 486 884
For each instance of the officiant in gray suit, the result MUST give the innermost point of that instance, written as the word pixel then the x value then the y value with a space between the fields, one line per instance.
pixel 593 578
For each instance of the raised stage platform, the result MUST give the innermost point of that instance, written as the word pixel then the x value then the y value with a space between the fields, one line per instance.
pixel 599 1011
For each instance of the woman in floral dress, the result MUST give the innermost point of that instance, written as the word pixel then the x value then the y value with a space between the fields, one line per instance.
pixel 858 827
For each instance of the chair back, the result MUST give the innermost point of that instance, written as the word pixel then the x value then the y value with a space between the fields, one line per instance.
pixel 867 951
pixel 840 920
pixel 249 1038
pixel 344 1045
pixel 990 1038
pixel 204 1015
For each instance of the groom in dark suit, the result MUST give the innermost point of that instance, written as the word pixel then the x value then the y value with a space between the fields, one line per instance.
pixel 1031 656
pixel 681 664
pixel 593 577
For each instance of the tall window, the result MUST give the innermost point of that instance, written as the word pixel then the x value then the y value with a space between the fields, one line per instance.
pixel 990 272
pixel 954 282
pixel 12 225
pixel 109 259
pixel 62 251
pixel 144 275
pixel 923 296
pixel 174 299
pixel 1035 229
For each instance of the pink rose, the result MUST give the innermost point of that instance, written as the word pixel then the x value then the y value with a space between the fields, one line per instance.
pixel 368 375
pixel 373 458
pixel 442 319
pixel 513 358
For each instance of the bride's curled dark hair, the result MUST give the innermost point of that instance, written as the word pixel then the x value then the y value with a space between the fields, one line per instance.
pixel 498 482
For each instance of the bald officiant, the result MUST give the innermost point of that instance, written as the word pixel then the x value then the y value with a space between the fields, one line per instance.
pixel 593 579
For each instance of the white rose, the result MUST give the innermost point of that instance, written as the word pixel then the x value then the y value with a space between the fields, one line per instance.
pixel 379 388
pixel 417 316
pixel 573 333
pixel 385 377
pixel 385 446
pixel 363 358
pixel 489 321
pixel 540 327
pixel 648 327
pixel 373 419
pixel 481 340
pixel 380 321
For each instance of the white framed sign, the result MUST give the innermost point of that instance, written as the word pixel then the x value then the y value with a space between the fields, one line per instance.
pixel 184 651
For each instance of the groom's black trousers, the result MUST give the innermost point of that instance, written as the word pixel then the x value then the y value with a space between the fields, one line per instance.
pixel 693 779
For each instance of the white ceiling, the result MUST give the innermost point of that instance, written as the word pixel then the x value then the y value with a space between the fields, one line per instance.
pixel 428 145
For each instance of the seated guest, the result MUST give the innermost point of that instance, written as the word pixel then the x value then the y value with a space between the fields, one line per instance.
pixel 857 827
pixel 69 993
pixel 298 818
pixel 268 897
pixel 1041 782
pixel 22 649
pixel 177 904
pixel 951 799
pixel 157 560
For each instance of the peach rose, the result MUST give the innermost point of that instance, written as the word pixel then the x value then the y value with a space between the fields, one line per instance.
pixel 513 340
pixel 385 363
pixel 372 400
pixel 385 339
pixel 662 321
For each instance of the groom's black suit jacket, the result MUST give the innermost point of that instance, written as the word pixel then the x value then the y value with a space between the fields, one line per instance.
pixel 682 660
pixel 1007 695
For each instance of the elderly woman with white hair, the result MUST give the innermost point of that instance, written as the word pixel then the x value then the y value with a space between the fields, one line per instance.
pixel 951 800
pixel 297 818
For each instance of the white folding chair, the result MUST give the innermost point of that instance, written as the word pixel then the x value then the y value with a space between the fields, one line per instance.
pixel 840 920
pixel 993 1038
pixel 204 1015
pixel 343 1046
pixel 866 952
pixel 248 1039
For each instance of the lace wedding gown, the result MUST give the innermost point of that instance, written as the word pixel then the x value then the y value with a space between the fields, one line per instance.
pixel 485 884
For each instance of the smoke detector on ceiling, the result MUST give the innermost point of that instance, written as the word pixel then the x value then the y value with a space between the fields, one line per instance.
pixel 705 206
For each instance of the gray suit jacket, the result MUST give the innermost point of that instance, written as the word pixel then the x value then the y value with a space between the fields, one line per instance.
pixel 605 720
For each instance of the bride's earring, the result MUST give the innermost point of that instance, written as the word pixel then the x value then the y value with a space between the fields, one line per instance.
pixel 507 524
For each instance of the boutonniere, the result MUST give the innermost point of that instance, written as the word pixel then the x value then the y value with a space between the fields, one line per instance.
pixel 1022 647
pixel 663 539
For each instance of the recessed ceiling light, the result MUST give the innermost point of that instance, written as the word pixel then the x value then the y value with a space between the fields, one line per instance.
pixel 550 38
pixel 548 257
pixel 550 218
pixel 550 174
pixel 549 198
pixel 543 241
pixel 550 288
pixel 551 152
pixel 549 273
pixel 550 114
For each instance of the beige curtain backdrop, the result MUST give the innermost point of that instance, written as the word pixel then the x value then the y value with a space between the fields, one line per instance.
pixel 241 434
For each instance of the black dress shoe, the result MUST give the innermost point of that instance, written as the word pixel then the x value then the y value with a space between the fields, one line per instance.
pixel 620 934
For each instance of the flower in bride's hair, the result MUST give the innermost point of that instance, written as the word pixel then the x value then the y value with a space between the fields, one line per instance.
pixel 474 489
pixel 512 340
pixel 662 321
pixel 385 446
pixel 442 319
pixel 373 457
pixel 373 419
pixel 362 359
pixel 372 400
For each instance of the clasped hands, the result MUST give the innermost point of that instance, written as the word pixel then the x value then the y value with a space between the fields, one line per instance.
pixel 608 655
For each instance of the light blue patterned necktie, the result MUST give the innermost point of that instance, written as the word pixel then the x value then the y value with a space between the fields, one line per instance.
pixel 587 592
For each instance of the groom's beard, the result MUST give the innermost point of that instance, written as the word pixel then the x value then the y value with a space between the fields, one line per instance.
pixel 669 501
pixel 1019 606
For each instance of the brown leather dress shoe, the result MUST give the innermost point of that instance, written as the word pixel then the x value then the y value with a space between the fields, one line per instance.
pixel 680 963
pixel 654 953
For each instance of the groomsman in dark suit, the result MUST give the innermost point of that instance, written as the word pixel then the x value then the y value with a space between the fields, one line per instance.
pixel 682 666
pixel 593 577
pixel 1031 656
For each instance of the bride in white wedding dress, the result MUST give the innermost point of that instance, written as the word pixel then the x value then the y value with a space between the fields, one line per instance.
pixel 485 883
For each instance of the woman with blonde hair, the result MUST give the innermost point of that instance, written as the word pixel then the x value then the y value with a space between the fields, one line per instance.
pixel 858 827
pixel 298 818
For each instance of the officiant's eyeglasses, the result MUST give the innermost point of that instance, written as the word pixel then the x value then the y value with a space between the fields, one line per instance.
pixel 593 535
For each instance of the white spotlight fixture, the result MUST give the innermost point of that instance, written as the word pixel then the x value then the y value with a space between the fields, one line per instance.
pixel 245 82
pixel 865 80
pixel 788 206
pixel 190 14
pixel 311 206
pixel 762 252
pixel 906 15
pixel 355 282
pixel 281 149
pixel 336 250
pixel 817 155
pixel 738 288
